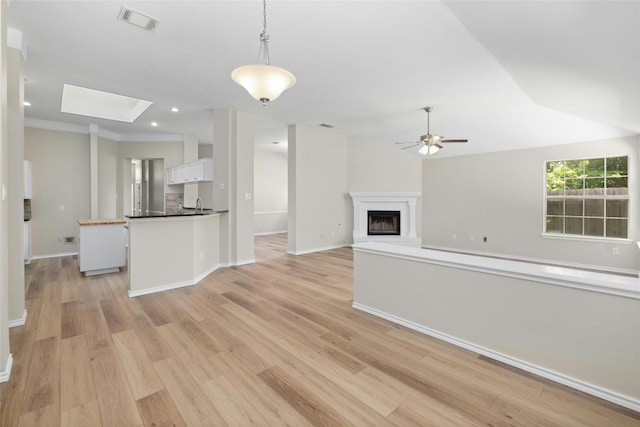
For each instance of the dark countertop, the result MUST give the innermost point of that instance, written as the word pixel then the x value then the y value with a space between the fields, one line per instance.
pixel 174 213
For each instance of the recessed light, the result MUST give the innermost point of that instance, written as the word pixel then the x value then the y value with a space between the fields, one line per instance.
pixel 175 109
pixel 154 124
pixel 26 104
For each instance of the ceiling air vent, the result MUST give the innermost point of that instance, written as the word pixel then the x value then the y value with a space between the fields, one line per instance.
pixel 326 125
pixel 137 19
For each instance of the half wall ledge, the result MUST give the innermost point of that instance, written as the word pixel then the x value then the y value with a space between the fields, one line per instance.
pixel 542 319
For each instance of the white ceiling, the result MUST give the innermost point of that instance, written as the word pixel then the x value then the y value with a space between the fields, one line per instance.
pixel 504 74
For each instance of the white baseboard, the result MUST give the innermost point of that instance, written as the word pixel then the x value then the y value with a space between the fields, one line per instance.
pixel 267 233
pixel 19 322
pixel 205 274
pixel 309 251
pixel 58 255
pixel 243 262
pixel 4 375
pixel 133 294
pixel 594 390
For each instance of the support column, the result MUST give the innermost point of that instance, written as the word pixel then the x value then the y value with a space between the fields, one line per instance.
pixel 190 154
pixel 93 155
pixel 15 186
pixel 5 355
pixel 233 135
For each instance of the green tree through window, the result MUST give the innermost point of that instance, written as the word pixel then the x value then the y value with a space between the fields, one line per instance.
pixel 588 197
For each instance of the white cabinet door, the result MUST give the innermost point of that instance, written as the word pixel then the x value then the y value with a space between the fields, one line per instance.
pixel 184 173
pixel 197 171
pixel 27 179
pixel 27 242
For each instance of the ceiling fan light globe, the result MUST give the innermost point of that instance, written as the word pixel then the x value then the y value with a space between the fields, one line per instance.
pixel 263 82
pixel 424 150
pixel 432 150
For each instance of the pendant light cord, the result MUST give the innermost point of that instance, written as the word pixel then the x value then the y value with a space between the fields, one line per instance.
pixel 264 16
pixel 263 53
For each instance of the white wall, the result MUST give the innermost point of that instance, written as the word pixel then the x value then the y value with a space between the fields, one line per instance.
pixel 378 166
pixel 5 356
pixel 501 196
pixel 270 192
pixel 60 188
pixel 512 311
pixel 318 192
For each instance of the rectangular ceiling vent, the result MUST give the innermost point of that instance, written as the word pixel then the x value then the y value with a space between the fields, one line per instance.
pixel 137 19
pixel 326 125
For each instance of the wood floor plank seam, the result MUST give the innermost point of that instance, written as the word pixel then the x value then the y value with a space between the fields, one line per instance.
pixel 273 343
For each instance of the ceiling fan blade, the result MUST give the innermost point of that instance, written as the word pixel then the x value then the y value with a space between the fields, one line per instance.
pixel 406 142
pixel 410 146
pixel 454 140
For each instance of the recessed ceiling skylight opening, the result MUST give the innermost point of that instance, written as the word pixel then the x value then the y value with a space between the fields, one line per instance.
pixel 137 19
pixel 104 105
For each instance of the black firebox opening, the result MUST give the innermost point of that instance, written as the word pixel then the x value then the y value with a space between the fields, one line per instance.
pixel 385 223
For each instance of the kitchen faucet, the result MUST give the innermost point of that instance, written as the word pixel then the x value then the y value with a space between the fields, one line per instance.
pixel 198 207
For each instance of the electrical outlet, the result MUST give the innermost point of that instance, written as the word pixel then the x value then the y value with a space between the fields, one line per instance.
pixel 615 251
pixel 201 256
pixel 454 236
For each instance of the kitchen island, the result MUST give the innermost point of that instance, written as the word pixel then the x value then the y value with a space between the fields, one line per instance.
pixel 172 250
pixel 101 245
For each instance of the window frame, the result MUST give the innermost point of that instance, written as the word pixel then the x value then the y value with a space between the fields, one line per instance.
pixel 605 197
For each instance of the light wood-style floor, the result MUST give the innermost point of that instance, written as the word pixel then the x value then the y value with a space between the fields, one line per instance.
pixel 269 344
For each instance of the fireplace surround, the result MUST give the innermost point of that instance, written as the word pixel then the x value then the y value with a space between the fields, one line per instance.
pixel 389 210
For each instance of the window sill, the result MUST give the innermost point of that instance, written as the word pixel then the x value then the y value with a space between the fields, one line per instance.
pixel 611 240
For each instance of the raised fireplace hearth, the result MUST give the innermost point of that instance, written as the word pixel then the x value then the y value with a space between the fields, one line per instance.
pixel 385 217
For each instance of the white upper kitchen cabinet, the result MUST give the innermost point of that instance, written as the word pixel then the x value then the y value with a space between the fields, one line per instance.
pixel 198 171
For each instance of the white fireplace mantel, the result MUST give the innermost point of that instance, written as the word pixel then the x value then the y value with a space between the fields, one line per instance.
pixel 403 202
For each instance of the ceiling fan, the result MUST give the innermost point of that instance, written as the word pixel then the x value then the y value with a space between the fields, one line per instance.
pixel 430 143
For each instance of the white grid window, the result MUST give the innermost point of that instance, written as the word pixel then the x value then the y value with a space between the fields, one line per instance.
pixel 588 197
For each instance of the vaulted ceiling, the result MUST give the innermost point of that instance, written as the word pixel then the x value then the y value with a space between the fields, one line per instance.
pixel 504 74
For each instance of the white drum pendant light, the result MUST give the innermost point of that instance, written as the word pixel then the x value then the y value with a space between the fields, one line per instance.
pixel 263 81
